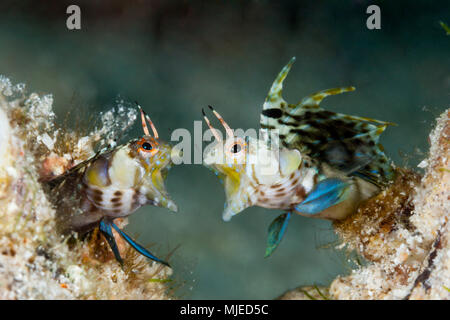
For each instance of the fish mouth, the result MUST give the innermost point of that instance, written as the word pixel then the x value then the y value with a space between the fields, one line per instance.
pixel 161 199
pixel 228 214
pixel 171 205
pixel 234 207
pixel 167 201
pixel 157 193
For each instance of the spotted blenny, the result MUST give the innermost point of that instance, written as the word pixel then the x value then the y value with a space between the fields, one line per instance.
pixel 114 184
pixel 307 160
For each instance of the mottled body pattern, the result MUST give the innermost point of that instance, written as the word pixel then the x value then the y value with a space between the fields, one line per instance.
pixel 324 165
pixel 114 184
pixel 343 141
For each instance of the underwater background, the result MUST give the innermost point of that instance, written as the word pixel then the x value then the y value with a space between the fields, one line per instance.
pixel 176 57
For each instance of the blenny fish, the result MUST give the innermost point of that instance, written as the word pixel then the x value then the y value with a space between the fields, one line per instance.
pixel 114 184
pixel 323 164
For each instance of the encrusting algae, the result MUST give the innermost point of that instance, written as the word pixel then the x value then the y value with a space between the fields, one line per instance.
pixel 36 262
pixel 403 233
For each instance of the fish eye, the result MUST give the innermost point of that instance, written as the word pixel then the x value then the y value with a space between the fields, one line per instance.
pixel 147 146
pixel 236 148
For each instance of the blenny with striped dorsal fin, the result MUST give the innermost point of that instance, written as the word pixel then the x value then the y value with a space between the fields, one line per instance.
pixel 114 184
pixel 323 165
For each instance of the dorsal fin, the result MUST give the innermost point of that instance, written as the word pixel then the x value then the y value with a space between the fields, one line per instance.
pixel 340 140
pixel 274 98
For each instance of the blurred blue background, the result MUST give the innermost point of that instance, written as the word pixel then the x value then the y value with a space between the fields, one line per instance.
pixel 176 57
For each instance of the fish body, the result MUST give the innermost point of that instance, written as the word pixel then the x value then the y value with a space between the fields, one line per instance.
pixel 114 184
pixel 308 160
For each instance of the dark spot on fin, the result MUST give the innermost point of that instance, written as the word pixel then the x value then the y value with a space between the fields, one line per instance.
pixel 272 113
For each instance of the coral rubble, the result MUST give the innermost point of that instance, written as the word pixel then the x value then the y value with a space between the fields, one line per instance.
pixel 35 261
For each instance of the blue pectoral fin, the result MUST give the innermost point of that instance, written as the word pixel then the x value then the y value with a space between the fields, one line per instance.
pixel 138 247
pixel 276 231
pixel 105 228
pixel 327 193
